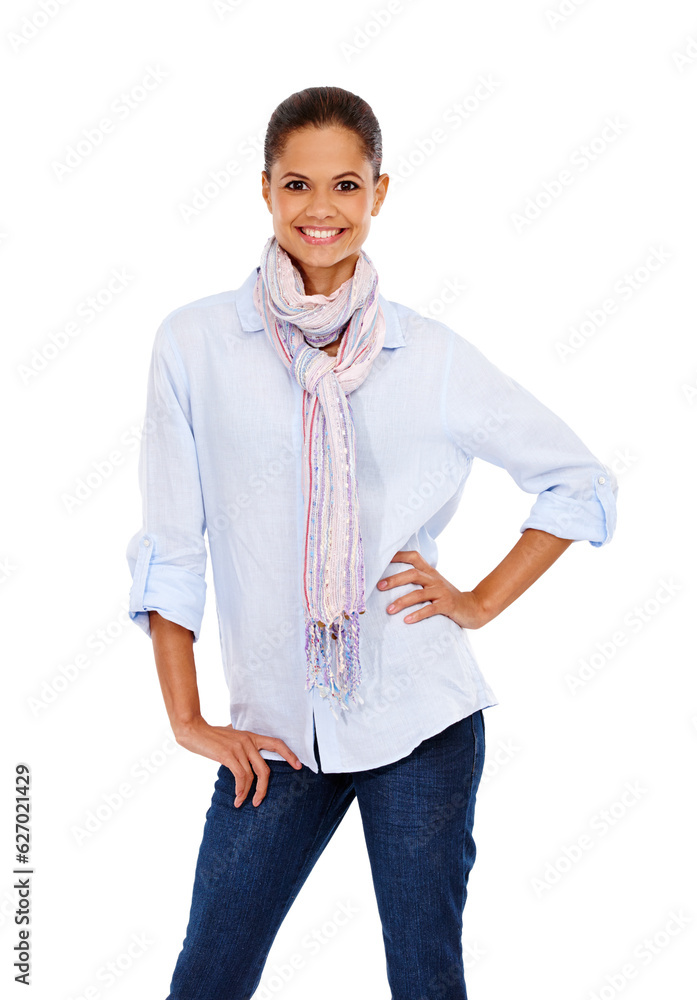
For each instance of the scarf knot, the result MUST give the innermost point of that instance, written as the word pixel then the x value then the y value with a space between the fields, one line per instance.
pixel 309 366
pixel 333 579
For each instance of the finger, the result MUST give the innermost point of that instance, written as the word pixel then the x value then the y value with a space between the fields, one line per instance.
pixel 277 744
pixel 399 579
pixel 417 616
pixel 411 556
pixel 286 752
pixel 406 600
pixel 262 771
pixel 242 771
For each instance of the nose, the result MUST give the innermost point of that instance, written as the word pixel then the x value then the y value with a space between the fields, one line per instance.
pixel 320 206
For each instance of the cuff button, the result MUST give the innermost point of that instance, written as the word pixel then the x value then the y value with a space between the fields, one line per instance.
pixel 601 479
pixel 146 541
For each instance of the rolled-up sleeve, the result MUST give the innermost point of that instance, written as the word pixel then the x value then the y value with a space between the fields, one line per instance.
pixel 167 557
pixel 491 416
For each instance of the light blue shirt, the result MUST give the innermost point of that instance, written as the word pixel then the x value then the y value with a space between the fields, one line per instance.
pixel 221 455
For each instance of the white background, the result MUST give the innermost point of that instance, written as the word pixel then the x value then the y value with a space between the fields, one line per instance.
pixel 539 924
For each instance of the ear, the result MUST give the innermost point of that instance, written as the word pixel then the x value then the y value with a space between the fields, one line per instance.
pixel 380 192
pixel 266 190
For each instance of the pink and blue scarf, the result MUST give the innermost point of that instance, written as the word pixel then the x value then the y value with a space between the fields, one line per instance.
pixel 333 574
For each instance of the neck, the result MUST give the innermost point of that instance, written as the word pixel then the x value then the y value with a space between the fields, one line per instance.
pixel 333 349
pixel 325 280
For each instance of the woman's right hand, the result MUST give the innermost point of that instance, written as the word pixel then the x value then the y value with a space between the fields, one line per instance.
pixel 238 750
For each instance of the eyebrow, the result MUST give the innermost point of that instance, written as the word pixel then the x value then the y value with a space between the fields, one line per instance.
pixel 346 173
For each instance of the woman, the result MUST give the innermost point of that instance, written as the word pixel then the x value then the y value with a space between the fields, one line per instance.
pixel 322 436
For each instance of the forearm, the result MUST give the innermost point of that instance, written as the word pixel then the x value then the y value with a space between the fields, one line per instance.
pixel 173 646
pixel 533 553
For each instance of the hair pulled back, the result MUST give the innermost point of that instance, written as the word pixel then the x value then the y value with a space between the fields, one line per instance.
pixel 320 107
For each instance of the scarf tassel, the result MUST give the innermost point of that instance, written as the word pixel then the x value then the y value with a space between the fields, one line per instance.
pixel 344 631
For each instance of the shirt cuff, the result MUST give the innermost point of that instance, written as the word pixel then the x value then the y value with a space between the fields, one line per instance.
pixel 592 520
pixel 176 593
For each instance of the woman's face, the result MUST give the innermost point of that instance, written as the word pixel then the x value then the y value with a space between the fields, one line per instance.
pixel 322 182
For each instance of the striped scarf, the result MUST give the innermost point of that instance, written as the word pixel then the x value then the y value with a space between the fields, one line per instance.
pixel 333 574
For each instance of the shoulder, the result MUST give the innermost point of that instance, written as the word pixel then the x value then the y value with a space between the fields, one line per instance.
pixel 203 321
pixel 200 315
pixel 425 334
pixel 437 347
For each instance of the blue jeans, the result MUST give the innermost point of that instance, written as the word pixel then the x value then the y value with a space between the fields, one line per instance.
pixel 417 816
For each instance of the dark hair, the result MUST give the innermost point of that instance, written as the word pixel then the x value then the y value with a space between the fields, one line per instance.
pixel 319 107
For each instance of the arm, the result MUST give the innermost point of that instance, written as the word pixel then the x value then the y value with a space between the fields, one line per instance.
pixel 238 750
pixel 167 559
pixel 533 553
pixel 530 557
pixel 173 647
pixel 493 417
pixel 487 414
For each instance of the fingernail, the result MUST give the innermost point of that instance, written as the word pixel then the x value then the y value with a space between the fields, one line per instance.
pixel 382 584
pixel 391 607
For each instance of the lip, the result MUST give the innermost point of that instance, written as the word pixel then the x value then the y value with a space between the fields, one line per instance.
pixel 316 241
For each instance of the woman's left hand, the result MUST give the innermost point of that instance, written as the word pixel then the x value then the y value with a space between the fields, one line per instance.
pixel 445 599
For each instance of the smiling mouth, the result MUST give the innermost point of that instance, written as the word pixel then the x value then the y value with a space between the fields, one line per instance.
pixel 320 234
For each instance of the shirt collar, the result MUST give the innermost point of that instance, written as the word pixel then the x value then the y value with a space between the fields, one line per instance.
pixel 250 319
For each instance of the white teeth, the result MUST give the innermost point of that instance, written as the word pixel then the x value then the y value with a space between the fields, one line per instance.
pixel 321 234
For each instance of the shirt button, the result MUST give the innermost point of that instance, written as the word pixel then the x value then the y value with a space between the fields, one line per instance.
pixel 601 479
pixel 146 541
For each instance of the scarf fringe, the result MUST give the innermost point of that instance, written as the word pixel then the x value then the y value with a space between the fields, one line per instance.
pixel 337 640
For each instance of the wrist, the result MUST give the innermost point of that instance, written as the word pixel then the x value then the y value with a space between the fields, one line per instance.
pixel 484 609
pixel 469 613
pixel 183 726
